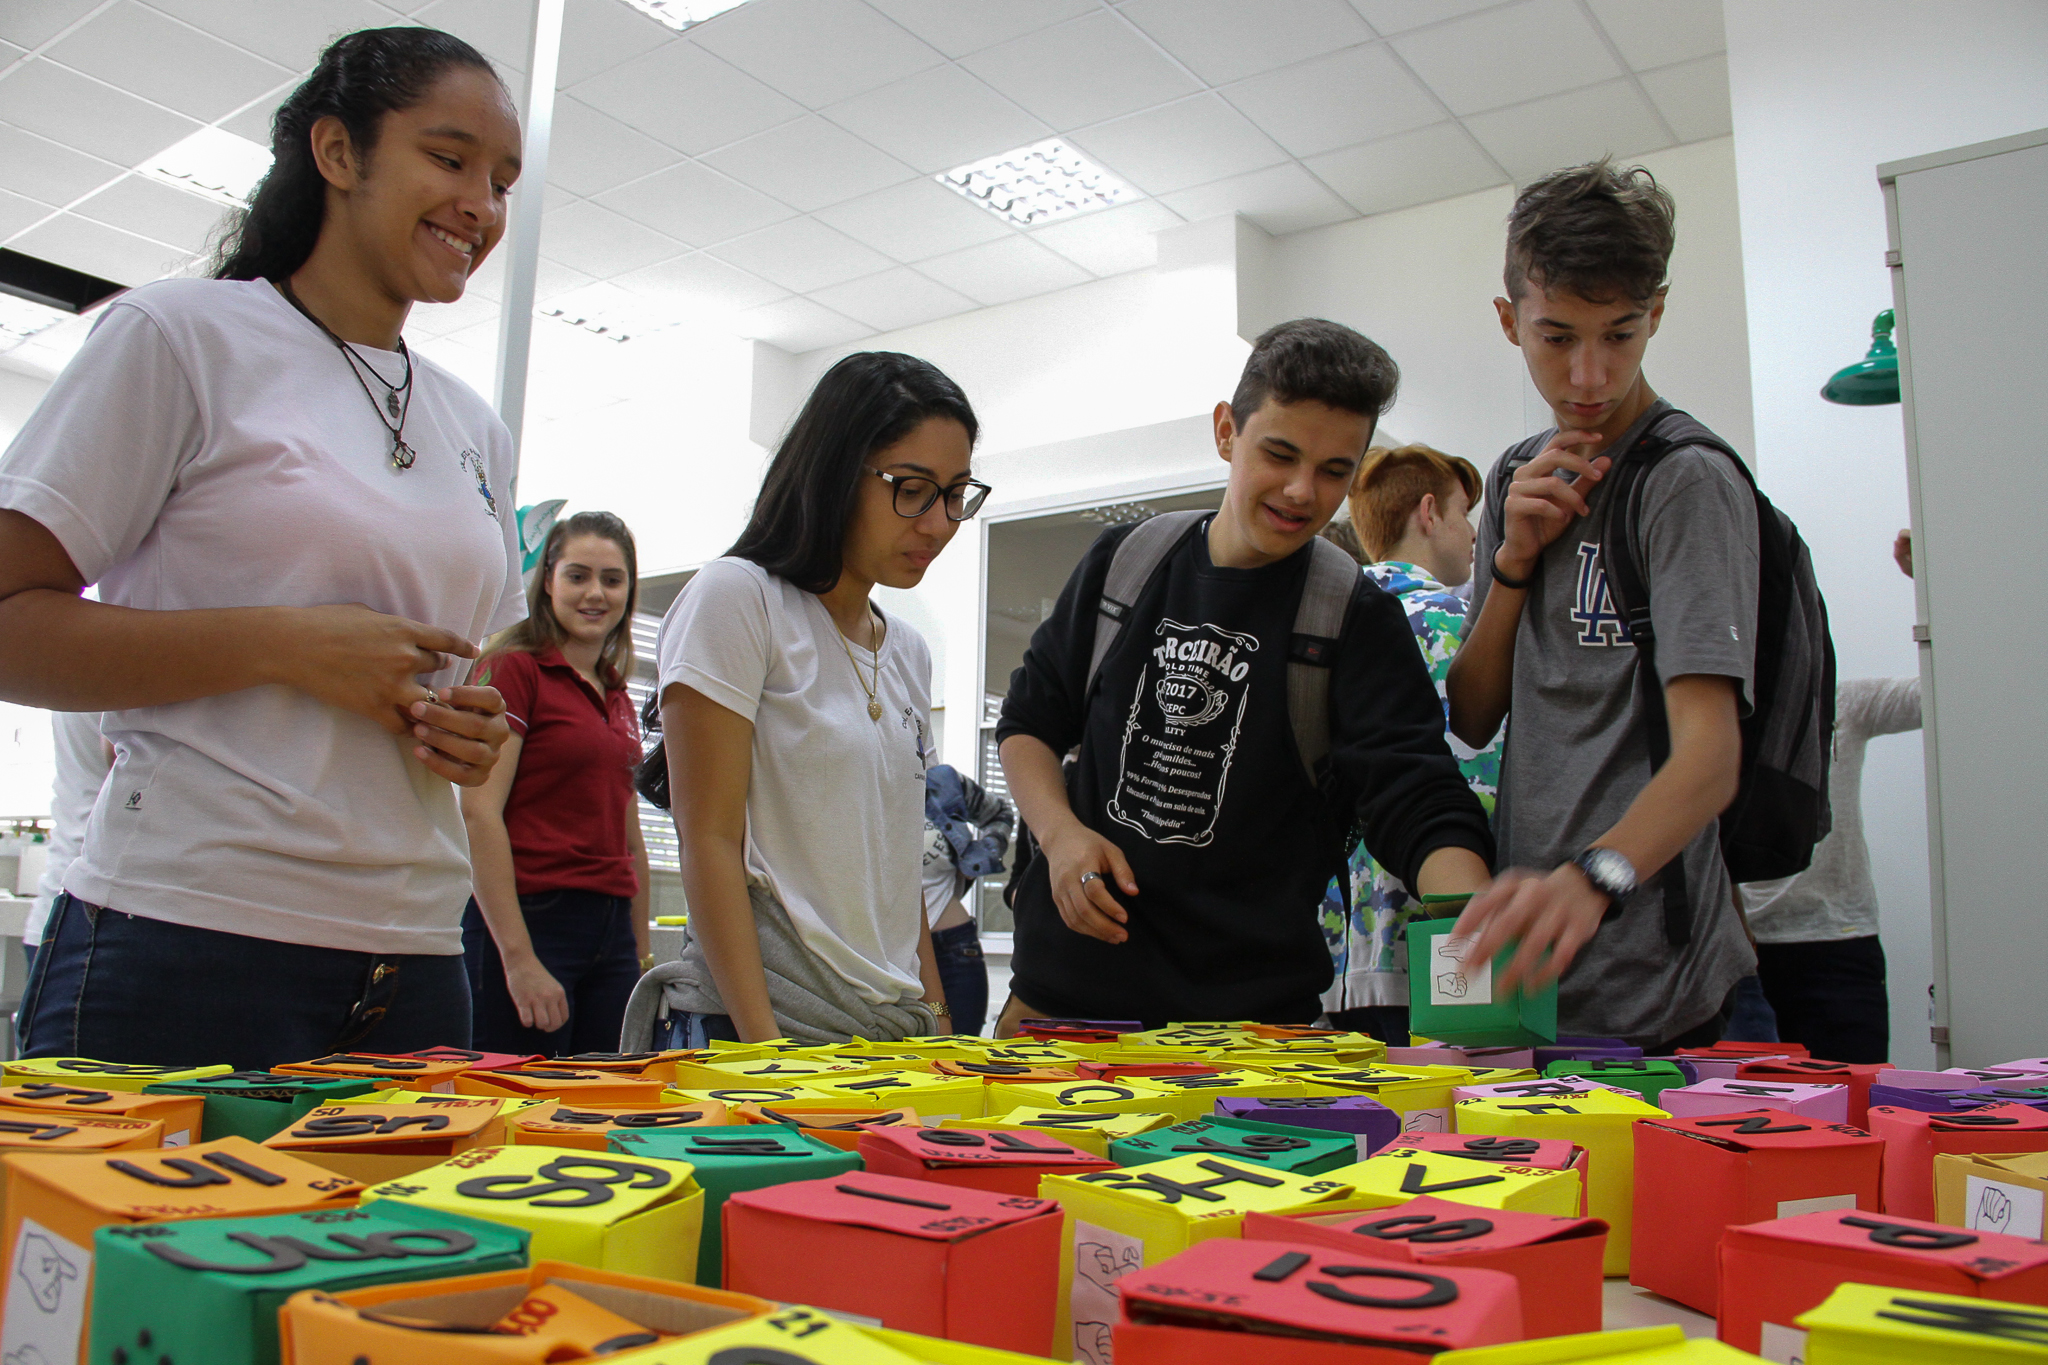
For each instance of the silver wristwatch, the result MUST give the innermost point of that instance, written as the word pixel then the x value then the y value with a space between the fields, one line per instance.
pixel 1611 874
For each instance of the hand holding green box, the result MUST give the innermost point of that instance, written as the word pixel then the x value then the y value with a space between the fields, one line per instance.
pixel 1456 1003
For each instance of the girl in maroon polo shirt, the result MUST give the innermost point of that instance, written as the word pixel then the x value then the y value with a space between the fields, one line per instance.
pixel 557 929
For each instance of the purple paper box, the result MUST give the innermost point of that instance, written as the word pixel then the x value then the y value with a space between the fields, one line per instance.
pixel 1823 1103
pixel 1370 1122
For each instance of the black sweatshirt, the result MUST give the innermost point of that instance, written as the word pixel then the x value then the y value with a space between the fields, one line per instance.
pixel 1188 764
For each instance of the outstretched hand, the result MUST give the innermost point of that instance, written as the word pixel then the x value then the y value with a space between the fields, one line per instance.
pixel 1550 917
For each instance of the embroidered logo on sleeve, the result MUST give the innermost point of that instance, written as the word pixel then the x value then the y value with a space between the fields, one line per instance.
pixel 1593 607
pixel 1181 733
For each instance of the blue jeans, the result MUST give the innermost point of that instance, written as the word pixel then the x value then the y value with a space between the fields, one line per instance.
pixel 963 972
pixel 1753 1020
pixel 585 940
pixel 121 988
pixel 694 1031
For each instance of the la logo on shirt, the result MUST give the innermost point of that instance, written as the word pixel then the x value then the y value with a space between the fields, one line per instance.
pixel 1593 606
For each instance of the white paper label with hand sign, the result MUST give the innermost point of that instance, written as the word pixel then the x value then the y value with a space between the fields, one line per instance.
pixel 1451 983
pixel 1994 1206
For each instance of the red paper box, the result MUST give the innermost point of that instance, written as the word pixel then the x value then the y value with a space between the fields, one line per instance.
pixel 1116 1071
pixel 1772 1272
pixel 939 1260
pixel 1914 1138
pixel 1725 1049
pixel 1555 1260
pixel 1696 1177
pixel 1809 1071
pixel 1221 1301
pixel 471 1060
pixel 1545 1154
pixel 975 1159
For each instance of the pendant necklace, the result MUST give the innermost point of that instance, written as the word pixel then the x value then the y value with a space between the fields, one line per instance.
pixel 874 702
pixel 397 397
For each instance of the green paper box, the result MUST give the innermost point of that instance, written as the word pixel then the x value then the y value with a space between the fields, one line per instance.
pixel 1304 1151
pixel 729 1160
pixel 1453 1004
pixel 259 1104
pixel 1647 1076
pixel 209 1289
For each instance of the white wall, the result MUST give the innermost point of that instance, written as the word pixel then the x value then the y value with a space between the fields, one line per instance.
pixel 1823 91
pixel 19 394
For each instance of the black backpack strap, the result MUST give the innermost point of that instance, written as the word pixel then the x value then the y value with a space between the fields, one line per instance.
pixel 1318 625
pixel 1130 568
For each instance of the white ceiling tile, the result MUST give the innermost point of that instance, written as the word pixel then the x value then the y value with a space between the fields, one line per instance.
pixel 809 163
pixel 48 171
pixel 500 29
pixel 1532 140
pixel 1225 40
pixel 553 197
pixel 148 209
pixel 802 254
pixel 915 220
pixel 700 282
pixel 488 280
pixel 254 122
pixel 31 23
pixel 695 204
pixel 291 35
pixel 590 152
pixel 1083 71
pixel 1280 199
pixel 1360 94
pixel 998 272
pixel 1189 142
pixel 938 119
pixel 1409 168
pixel 1399 16
pixel 817 52
pixel 686 97
pixel 144 53
pixel 66 107
pixel 1113 241
pixel 100 250
pixel 10 54
pixel 894 299
pixel 958 27
pixel 18 212
pixel 1509 56
pixel 799 325
pixel 597 35
pixel 1693 97
pixel 600 243
pixel 1653 33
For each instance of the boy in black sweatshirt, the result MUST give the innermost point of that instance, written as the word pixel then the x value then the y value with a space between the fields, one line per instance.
pixel 1185 855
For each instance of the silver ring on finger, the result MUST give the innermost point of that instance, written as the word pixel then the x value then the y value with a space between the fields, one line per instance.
pixel 1087 877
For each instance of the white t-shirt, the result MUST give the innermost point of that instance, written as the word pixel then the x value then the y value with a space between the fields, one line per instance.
pixel 835 805
pixel 208 447
pixel 939 881
pixel 81 771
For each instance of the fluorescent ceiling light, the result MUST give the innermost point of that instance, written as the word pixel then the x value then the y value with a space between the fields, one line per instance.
pixel 1039 184
pixel 681 14
pixel 606 311
pixel 21 319
pixel 212 164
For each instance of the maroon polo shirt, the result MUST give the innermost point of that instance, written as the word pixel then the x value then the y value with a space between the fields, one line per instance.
pixel 567 810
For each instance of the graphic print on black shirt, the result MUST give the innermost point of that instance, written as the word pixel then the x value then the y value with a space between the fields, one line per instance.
pixel 1181 732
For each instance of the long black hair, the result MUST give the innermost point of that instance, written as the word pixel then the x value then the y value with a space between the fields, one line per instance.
pixel 360 78
pixel 868 401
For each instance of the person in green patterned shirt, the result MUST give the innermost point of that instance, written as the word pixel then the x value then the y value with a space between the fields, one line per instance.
pixel 1411 508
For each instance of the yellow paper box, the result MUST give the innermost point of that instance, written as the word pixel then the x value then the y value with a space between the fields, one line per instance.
pixel 733 1096
pixel 1400 1174
pixel 1118 1221
pixel 934 1097
pixel 1862 1324
pixel 636 1215
pixel 1999 1191
pixel 710 1075
pixel 1194 1097
pixel 1091 1130
pixel 1131 1095
pixel 1421 1095
pixel 1625 1346
pixel 1601 1121
pixel 84 1071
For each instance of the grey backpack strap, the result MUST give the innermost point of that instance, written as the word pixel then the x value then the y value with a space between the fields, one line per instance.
pixel 1130 569
pixel 1318 622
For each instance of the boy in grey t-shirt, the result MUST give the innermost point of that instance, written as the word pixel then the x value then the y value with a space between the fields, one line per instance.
pixel 1587 832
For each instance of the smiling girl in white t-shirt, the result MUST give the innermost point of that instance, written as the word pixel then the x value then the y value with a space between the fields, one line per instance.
pixel 295 524
pixel 797 718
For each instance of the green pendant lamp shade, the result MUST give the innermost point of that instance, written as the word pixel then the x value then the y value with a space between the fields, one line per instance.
pixel 1874 379
pixel 534 524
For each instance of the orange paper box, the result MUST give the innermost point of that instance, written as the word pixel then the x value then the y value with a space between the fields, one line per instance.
pixel 976 1159
pixel 377 1142
pixel 1697 1176
pixel 1913 1139
pixel 1555 1260
pixel 1226 1301
pixel 1808 1071
pixel 27 1131
pixel 947 1262
pixel 410 1073
pixel 1772 1272
pixel 55 1202
pixel 576 1085
pixel 181 1115
pixel 837 1124
pixel 567 1125
pixel 470 1060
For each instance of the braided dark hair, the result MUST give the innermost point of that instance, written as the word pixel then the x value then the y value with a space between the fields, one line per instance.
pixel 360 78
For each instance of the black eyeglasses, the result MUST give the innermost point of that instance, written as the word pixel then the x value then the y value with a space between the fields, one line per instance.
pixel 915 494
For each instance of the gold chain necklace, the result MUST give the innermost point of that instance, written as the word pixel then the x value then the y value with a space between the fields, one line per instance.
pixel 874 703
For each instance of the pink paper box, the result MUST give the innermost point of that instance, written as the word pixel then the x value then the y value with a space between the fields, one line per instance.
pixel 1724 1068
pixel 1822 1103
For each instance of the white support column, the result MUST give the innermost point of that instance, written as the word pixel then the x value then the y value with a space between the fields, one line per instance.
pixel 515 323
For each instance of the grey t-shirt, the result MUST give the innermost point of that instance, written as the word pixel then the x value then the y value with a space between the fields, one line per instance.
pixel 1578 752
